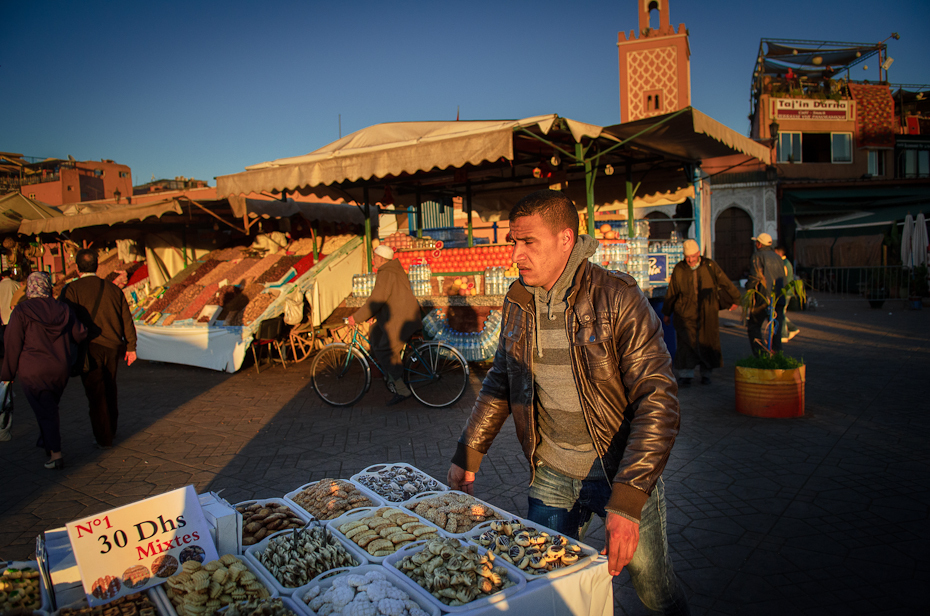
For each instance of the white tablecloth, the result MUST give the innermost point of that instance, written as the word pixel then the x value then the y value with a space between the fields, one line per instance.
pixel 217 348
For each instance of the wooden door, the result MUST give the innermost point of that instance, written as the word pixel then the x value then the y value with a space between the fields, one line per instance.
pixel 733 246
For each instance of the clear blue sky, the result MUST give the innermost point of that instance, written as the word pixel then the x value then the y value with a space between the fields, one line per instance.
pixel 202 89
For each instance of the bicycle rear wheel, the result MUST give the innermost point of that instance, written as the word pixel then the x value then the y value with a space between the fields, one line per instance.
pixel 340 375
pixel 436 373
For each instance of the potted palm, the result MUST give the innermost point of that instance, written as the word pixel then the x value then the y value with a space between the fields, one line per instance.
pixel 771 384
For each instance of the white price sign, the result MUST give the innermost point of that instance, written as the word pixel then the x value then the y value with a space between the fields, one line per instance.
pixel 131 548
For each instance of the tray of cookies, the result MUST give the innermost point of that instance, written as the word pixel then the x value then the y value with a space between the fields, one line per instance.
pixel 397 482
pixel 382 531
pixel 375 590
pixel 293 558
pixel 328 498
pixel 454 512
pixel 22 590
pixel 203 589
pixel 267 516
pixel 536 551
pixel 136 604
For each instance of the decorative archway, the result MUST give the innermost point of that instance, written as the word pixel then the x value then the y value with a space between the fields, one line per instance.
pixel 732 244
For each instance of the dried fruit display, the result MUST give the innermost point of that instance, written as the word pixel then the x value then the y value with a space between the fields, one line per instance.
pixel 205 268
pixel 455 574
pixel 386 530
pixel 533 551
pixel 260 520
pixel 184 299
pixel 454 512
pixel 258 306
pixel 218 273
pixel 295 558
pixel 236 274
pixel 197 304
pixel 276 271
pixel 372 593
pixel 328 499
pixel 261 267
pixel 203 589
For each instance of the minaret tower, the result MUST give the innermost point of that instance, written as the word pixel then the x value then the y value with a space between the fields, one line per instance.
pixel 655 65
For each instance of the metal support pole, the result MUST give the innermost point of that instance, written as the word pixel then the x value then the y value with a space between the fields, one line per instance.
pixel 419 215
pixel 630 214
pixel 368 229
pixel 471 239
pixel 589 174
pixel 697 207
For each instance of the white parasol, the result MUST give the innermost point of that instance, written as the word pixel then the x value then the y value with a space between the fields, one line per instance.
pixel 919 241
pixel 907 253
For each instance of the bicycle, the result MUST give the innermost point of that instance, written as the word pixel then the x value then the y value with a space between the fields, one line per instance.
pixel 435 372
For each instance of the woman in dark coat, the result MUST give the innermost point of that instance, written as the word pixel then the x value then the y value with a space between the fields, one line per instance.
pixel 694 296
pixel 37 344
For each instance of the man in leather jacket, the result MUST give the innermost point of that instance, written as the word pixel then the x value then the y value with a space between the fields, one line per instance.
pixel 582 368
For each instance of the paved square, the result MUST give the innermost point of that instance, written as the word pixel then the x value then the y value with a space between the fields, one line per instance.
pixel 823 514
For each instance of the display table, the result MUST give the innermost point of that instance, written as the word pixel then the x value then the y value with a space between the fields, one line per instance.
pixel 217 348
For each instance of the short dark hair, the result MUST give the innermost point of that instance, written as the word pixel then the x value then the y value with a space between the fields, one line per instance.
pixel 556 210
pixel 86 260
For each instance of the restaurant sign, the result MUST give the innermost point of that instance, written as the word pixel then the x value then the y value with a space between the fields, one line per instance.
pixel 130 548
pixel 808 109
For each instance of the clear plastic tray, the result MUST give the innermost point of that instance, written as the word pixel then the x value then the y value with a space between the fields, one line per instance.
pixel 325 580
pixel 411 504
pixel 363 512
pixel 163 604
pixel 46 604
pixel 288 602
pixel 512 573
pixel 289 497
pixel 374 469
pixel 588 553
pixel 251 554
pixel 298 511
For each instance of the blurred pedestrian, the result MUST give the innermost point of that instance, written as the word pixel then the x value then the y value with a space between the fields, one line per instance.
pixel 767 278
pixel 8 287
pixel 38 343
pixel 698 290
pixel 788 329
pixel 102 307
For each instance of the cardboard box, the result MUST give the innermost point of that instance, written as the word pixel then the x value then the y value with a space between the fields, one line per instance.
pixel 225 522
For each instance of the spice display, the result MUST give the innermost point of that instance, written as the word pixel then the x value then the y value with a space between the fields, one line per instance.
pixel 276 271
pixel 372 593
pixel 137 604
pixel 455 574
pixel 386 530
pixel 398 482
pixel 454 512
pixel 533 551
pixel 263 607
pixel 203 589
pixel 19 591
pixel 328 499
pixel 259 521
pixel 295 558
pixel 258 306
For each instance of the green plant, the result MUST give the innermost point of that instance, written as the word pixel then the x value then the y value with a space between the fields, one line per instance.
pixel 775 361
pixel 747 304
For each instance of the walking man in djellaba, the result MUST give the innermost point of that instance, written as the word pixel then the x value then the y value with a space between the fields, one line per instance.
pixel 697 291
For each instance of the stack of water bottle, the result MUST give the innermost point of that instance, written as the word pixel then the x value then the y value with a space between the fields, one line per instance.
pixel 362 284
pixel 419 276
pixel 496 281
pixel 473 346
pixel 638 263
pixel 674 248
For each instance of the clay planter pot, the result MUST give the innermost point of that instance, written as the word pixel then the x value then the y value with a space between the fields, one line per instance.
pixel 770 393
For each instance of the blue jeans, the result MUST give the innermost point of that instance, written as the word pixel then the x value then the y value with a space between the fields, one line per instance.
pixel 566 505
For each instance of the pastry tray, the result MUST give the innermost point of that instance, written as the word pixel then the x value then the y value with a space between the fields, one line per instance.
pixel 325 580
pixel 298 511
pixel 45 607
pixel 375 468
pixel 289 497
pixel 358 514
pixel 426 495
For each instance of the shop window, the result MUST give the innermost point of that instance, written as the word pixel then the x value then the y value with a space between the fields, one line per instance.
pixel 815 148
pixel 876 163
pixel 789 147
pixel 916 163
pixel 123 174
pixel 98 173
pixel 841 147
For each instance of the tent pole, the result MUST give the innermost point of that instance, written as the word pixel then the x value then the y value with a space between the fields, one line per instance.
pixel 630 214
pixel 697 206
pixel 419 215
pixel 471 239
pixel 589 173
pixel 314 233
pixel 367 229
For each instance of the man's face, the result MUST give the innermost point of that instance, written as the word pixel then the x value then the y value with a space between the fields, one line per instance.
pixel 693 260
pixel 377 261
pixel 540 253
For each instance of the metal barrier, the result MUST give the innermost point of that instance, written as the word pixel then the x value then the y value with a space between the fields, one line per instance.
pixel 885 282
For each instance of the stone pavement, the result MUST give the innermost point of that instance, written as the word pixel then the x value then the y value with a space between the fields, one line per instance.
pixel 817 515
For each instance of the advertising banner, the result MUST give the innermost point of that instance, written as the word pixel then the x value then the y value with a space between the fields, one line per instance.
pixel 658 268
pixel 131 548
pixel 811 109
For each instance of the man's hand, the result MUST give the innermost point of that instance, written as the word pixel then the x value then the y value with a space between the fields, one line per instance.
pixel 130 357
pixel 351 321
pixel 667 319
pixel 460 479
pixel 622 539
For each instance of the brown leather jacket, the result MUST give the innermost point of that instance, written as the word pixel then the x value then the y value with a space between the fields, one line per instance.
pixel 623 373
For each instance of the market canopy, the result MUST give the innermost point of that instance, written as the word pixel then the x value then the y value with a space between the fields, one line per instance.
pixel 16 208
pixel 80 215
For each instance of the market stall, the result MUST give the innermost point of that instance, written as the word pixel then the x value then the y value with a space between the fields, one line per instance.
pixel 316 550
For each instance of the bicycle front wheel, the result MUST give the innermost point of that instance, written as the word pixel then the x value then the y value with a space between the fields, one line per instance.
pixel 340 375
pixel 436 373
